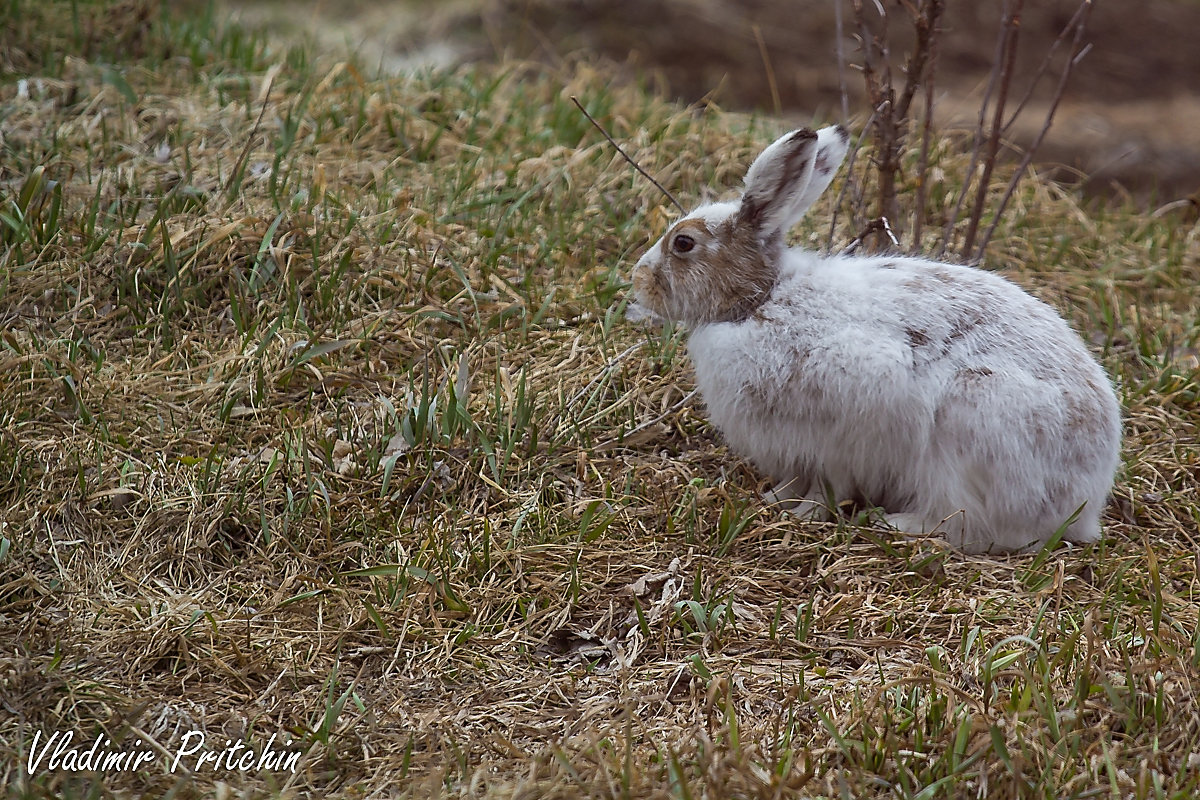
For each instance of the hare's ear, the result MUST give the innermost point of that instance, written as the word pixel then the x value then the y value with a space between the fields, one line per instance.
pixel 789 176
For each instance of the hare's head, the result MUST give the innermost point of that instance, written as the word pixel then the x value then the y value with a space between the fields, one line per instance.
pixel 720 262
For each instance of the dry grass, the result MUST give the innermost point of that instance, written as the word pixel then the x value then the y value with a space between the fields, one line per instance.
pixel 318 418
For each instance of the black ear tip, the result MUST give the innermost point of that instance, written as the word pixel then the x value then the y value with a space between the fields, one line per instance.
pixel 842 133
pixel 803 135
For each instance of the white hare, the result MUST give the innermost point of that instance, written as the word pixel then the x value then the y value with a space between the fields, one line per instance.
pixel 944 394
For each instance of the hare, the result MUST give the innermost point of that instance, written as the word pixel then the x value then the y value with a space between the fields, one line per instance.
pixel 944 394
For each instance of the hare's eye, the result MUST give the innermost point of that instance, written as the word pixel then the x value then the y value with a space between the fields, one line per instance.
pixel 683 243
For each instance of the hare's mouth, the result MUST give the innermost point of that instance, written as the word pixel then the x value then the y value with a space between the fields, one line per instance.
pixel 636 312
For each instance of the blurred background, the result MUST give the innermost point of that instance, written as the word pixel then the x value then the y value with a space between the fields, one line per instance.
pixel 1127 126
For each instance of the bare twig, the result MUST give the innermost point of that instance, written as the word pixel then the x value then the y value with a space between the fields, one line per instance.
pixel 1078 51
pixel 625 155
pixel 893 119
pixel 891 112
pixel 857 189
pixel 923 157
pixel 976 145
pixel 1012 29
pixel 877 75
pixel 920 72
pixel 877 225
pixel 1077 24
pixel 923 51
pixel 766 59
pixel 841 60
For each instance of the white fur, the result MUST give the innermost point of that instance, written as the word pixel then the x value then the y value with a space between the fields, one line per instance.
pixel 943 393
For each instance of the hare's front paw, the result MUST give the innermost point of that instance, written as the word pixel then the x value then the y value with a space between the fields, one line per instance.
pixel 909 524
pixel 811 506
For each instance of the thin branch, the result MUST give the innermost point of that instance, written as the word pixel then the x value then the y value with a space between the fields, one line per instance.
pixel 841 60
pixel 1079 17
pixel 880 94
pixel 877 225
pixel 920 72
pixel 866 41
pixel 976 144
pixel 850 185
pixel 1078 51
pixel 766 59
pixel 1012 29
pixel 625 155
pixel 923 157
pixel 926 22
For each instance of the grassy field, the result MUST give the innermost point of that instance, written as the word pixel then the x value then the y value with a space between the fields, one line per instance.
pixel 320 420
